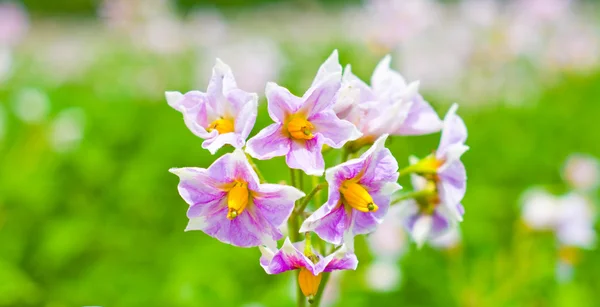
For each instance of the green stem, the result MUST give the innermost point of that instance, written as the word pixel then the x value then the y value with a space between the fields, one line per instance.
pixel 414 194
pixel 408 170
pixel 255 168
pixel 300 208
pixel 319 295
pixel 301 180
pixel 345 154
pixel 293 177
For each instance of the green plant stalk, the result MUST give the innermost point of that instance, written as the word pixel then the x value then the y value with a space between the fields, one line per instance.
pixel 304 201
pixel 410 195
pixel 319 295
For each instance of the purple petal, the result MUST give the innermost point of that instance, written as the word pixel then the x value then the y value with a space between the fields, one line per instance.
pixel 281 103
pixel 328 223
pixel 454 132
pixel 285 259
pixel 244 231
pixel 221 83
pixel 268 143
pixel 421 119
pixel 321 96
pixel 335 132
pixel 386 82
pixel 245 119
pixel 330 66
pixel 276 202
pixel 234 166
pixel 366 222
pixel 306 155
pixel 379 167
pixel 452 187
pixel 342 259
pixel 196 186
pixel 213 144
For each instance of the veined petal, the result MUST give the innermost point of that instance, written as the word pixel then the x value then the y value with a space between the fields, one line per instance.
pixel 386 82
pixel 454 132
pixel 367 222
pixel 330 66
pixel 421 119
pixel 332 225
pixel 321 96
pixel 276 202
pixel 196 186
pixel 221 83
pixel 214 143
pixel 380 166
pixel 245 119
pixel 174 99
pixel 306 155
pixel 246 230
pixel 281 102
pixel 342 259
pixel 234 166
pixel 285 259
pixel 335 132
pixel 269 143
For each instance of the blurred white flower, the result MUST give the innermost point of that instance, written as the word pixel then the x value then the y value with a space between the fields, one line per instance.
pixel 448 240
pixel 482 13
pixel 576 220
pixel 420 61
pixel 389 241
pixel 254 62
pixel 582 172
pixel 31 105
pixel 383 276
pixel 14 24
pixel 67 56
pixel 5 63
pixel 67 129
pixel 540 209
pixel 394 21
pixel 207 28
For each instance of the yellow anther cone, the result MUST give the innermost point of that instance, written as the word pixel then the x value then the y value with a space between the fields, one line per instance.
pixel 357 197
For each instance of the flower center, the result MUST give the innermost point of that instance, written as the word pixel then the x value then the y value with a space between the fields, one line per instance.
pixel 222 125
pixel 237 199
pixel 300 128
pixel 309 283
pixel 357 197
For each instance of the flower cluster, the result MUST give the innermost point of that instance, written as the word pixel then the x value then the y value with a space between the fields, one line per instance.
pixel 231 201
pixel 571 217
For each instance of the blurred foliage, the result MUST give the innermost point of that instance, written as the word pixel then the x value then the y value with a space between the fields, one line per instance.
pixel 103 224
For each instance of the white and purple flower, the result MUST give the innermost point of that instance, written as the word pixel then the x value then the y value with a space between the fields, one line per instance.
pixel 302 125
pixel 228 202
pixel 442 180
pixel 223 115
pixel 359 195
pixel 388 106
pixel 311 264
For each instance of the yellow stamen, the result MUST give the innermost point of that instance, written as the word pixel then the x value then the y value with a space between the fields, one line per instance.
pixel 309 283
pixel 300 128
pixel 222 125
pixel 357 197
pixel 237 199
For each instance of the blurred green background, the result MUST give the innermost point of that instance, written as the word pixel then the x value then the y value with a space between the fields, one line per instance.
pixel 90 215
